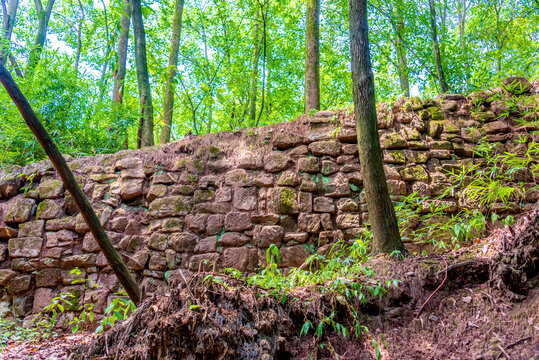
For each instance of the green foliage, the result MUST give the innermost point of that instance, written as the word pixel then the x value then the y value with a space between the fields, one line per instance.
pixel 118 310
pixel 14 331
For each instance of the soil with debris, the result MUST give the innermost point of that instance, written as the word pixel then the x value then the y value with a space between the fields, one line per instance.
pixel 481 302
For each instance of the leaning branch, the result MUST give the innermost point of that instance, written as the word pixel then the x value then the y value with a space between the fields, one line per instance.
pixel 86 210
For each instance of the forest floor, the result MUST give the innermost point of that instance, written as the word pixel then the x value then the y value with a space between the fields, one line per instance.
pixel 480 302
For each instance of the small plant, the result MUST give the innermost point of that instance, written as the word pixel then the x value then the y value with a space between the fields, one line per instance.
pixel 45 320
pixel 118 310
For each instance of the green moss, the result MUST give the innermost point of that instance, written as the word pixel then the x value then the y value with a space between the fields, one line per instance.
pixel 435 113
pixel 203 195
pixel 287 199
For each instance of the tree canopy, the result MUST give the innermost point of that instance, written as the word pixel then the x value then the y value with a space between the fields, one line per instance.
pixel 240 63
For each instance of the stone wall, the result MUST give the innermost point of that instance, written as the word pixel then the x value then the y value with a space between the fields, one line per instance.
pixel 220 200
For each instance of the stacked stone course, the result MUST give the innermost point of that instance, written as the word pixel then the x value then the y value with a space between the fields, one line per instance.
pixel 221 200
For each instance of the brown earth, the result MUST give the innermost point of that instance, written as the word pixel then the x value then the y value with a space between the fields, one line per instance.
pixel 486 308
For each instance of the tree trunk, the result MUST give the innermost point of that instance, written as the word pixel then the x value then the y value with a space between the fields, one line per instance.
pixel 254 76
pixel 145 137
pixel 35 53
pixel 79 38
pixel 462 10
pixel 16 66
pixel 168 102
pixel 437 57
pixel 86 210
pixel 123 39
pixel 381 212
pixel 312 56
pixel 7 28
pixel 401 52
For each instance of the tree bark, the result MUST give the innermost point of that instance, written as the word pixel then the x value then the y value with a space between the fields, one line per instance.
pixel 462 12
pixel 86 210
pixel 401 51
pixel 312 56
pixel 254 74
pixel 381 212
pixel 145 137
pixel 123 39
pixel 168 102
pixel 43 17
pixel 437 57
pixel 79 38
pixel 7 28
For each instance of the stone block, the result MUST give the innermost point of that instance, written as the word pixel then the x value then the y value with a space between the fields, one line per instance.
pixel 269 234
pixel 325 147
pixel 238 221
pixel 170 206
pixel 29 247
pixel 19 210
pixel 309 223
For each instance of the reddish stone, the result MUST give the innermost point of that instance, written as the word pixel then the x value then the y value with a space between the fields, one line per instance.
pixel 245 199
pixel 324 204
pixel 308 164
pixel 214 224
pixel 183 242
pixel 276 161
pixel 347 221
pixel 325 147
pixel 237 221
pixel 325 220
pixel 204 261
pixel 249 160
pixel 238 178
pixel 42 298
pixel 196 222
pixel 231 239
pixel 19 210
pixel 299 237
pixel 206 245
pixel 293 256
pixel 309 223
pixel 244 259
pixel 269 234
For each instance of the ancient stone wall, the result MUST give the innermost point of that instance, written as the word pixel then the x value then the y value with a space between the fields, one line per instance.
pixel 220 200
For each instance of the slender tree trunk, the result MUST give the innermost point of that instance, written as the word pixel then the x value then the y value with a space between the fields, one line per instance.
pixel 381 212
pixel 168 103
pixel 145 94
pixel 86 210
pixel 7 28
pixel 264 60
pixel 462 10
pixel 79 38
pixel 437 57
pixel 123 39
pixel 312 56
pixel 401 52
pixel 254 76
pixel 44 17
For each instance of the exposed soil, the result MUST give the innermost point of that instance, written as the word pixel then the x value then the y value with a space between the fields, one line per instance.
pixel 486 307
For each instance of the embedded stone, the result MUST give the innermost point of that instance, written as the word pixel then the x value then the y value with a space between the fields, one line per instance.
pixel 157 262
pixel 393 156
pixel 324 204
pixel 249 160
pixel 396 187
pixel 415 173
pixel 284 140
pixel 338 186
pixel 196 222
pixel 48 209
pixel 128 163
pixel 82 261
pixel 170 206
pixel 156 191
pixel 238 178
pixel 308 164
pixel 6 275
pixel 238 221
pixel 3 252
pixel 288 178
pixel 293 256
pixel 348 221
pixel 50 189
pixel 422 189
pixel 131 189
pixel 418 157
pixel 60 238
pixel 265 219
pixel 305 202
pixel 206 262
pixel 158 242
pixel 349 149
pixel 231 239
pixel 440 154
pixel 48 277
pixel 308 184
pixel 7 232
pixel 450 105
pixel 392 140
pixel 276 161
pixel 264 180
pixel 29 247
pixel 355 178
pixel 214 224
pixel 309 222
pixel 496 127
pixel 243 259
pixel 347 205
pixel 325 220
pixel 298 237
pixel 325 147
pixel 269 234
pixel 245 199
pixel 42 298
pixel 19 210
pixel 284 201
pixel 329 167
pixel 206 245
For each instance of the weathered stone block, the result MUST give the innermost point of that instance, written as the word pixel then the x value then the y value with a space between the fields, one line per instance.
pixel 238 178
pixel 283 140
pixel 19 210
pixel 50 189
pixel 293 256
pixel 25 247
pixel 170 206
pixel 238 221
pixel 48 209
pixel 269 234
pixel 206 245
pixel 249 160
pixel 308 164
pixel 297 237
pixel 245 259
pixel 48 277
pixel 276 161
pixel 309 223
pixel 324 204
pixel 348 221
pixel 245 199
pixel 325 147
pixel 415 173
pixel 6 275
pixel 284 201
pixel 393 156
pixel 158 242
pixel 231 239
pixel 288 178
pixel 214 224
pixel 329 167
pixel 81 261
